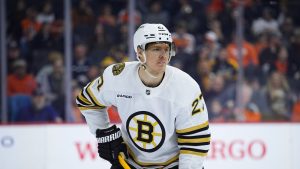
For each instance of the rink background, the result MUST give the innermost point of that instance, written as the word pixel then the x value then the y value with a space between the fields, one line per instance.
pixel 233 146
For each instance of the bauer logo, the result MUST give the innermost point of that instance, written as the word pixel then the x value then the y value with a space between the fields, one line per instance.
pixel 145 131
pixel 124 96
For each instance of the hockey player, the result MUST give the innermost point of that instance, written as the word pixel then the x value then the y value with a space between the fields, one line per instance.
pixel 163 113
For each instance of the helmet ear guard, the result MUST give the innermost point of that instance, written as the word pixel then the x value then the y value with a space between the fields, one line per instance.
pixel 172 49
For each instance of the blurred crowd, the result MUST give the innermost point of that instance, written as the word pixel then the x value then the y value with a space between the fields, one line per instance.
pixel 205 36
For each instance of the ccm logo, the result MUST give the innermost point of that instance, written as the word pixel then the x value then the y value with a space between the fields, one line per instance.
pixel 6 141
pixel 237 150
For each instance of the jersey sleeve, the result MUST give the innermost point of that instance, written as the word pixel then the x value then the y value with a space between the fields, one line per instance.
pixel 192 129
pixel 93 101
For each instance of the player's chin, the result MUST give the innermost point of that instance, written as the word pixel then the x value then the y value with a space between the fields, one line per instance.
pixel 161 67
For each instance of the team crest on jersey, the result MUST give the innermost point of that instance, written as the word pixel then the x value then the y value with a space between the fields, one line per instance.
pixel 118 68
pixel 145 131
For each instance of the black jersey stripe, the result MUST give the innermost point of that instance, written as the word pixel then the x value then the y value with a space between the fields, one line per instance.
pixel 193 137
pixel 194 149
pixel 194 144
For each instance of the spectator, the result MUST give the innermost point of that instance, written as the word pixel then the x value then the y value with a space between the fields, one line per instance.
pixel 265 23
pixel 212 44
pixel 100 40
pixel 185 42
pixel 269 54
pixel 222 66
pixel 278 95
pixel 38 111
pixel 53 87
pixel 29 24
pixel 13 54
pixel 20 82
pixel 217 112
pixel 192 13
pixel 281 62
pixel 202 75
pixel 217 87
pixel 81 64
pixel 47 69
pixel 249 57
pixel 43 39
pixel 47 14
pixel 216 27
pixel 123 37
pixel 156 14
pixel 287 29
pixel 249 54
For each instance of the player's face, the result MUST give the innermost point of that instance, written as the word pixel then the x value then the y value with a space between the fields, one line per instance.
pixel 157 56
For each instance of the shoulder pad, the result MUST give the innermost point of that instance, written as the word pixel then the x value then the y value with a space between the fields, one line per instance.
pixel 118 68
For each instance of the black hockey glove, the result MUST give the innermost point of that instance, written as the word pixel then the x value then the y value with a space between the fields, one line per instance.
pixel 110 144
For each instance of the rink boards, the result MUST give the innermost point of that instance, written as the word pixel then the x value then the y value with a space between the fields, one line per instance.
pixel 233 146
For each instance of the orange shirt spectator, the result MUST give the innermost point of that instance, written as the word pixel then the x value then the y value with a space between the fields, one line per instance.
pixel 29 23
pixel 248 52
pixel 251 116
pixel 296 111
pixel 25 85
pixel 20 82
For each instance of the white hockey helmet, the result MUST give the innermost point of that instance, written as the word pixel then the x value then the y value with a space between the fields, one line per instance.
pixel 148 33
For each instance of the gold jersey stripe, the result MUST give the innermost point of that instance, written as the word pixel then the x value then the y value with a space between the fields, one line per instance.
pixel 182 131
pixel 197 140
pixel 84 100
pixel 193 153
pixel 90 108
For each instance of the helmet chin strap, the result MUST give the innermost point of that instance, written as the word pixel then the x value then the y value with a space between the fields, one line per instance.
pixel 144 66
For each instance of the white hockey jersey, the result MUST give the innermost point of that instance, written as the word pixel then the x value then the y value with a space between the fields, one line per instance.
pixel 162 126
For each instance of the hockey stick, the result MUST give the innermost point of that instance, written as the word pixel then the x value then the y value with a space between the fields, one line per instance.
pixel 123 162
